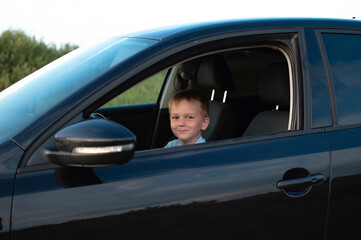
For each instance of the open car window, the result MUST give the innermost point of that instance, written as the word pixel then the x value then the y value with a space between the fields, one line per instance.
pixel 249 91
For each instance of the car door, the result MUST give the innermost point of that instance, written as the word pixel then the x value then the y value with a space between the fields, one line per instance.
pixel 342 50
pixel 212 191
pixel 273 186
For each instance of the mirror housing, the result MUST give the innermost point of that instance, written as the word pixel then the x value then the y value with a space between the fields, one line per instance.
pixel 91 143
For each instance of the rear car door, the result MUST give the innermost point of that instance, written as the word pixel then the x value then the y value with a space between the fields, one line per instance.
pixel 342 50
pixel 272 186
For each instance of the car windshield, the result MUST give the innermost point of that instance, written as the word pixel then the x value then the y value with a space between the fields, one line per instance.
pixel 33 96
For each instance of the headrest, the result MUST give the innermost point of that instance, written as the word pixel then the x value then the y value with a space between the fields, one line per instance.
pixel 213 73
pixel 274 85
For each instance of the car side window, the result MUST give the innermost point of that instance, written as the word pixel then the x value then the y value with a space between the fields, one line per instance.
pixel 248 91
pixel 344 59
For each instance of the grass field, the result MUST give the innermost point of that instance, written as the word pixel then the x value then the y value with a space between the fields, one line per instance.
pixel 144 92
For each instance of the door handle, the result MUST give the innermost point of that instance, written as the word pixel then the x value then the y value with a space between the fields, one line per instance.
pixel 310 180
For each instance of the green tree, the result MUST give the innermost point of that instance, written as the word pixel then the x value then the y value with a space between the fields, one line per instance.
pixel 21 55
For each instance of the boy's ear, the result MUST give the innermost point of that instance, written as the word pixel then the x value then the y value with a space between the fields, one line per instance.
pixel 205 123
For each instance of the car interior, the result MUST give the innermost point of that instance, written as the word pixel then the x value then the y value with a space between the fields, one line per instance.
pixel 248 91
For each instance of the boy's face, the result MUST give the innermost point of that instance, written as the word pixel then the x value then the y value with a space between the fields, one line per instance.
pixel 187 122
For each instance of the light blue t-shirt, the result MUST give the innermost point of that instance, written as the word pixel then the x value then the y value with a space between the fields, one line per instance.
pixel 176 143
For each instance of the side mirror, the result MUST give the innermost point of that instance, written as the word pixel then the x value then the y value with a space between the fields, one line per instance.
pixel 91 143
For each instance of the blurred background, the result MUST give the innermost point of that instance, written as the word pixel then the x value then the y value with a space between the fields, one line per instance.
pixel 35 32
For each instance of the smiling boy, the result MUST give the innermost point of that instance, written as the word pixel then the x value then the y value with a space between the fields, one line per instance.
pixel 188 112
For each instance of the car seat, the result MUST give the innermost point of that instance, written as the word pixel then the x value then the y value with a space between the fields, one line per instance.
pixel 274 89
pixel 214 75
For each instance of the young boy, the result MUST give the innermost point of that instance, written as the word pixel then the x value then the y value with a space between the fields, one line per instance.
pixel 188 112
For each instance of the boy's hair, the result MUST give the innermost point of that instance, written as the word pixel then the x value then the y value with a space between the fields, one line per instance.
pixel 191 96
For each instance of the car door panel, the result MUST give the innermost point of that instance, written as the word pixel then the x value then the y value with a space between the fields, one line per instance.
pixel 214 191
pixel 345 210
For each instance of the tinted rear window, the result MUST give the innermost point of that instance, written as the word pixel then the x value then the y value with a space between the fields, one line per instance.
pixel 344 58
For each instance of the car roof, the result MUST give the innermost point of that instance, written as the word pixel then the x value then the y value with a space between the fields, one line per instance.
pixel 209 28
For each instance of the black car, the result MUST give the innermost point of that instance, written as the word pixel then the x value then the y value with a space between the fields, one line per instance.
pixel 81 140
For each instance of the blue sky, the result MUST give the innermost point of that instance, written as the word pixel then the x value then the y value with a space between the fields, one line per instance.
pixel 82 21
